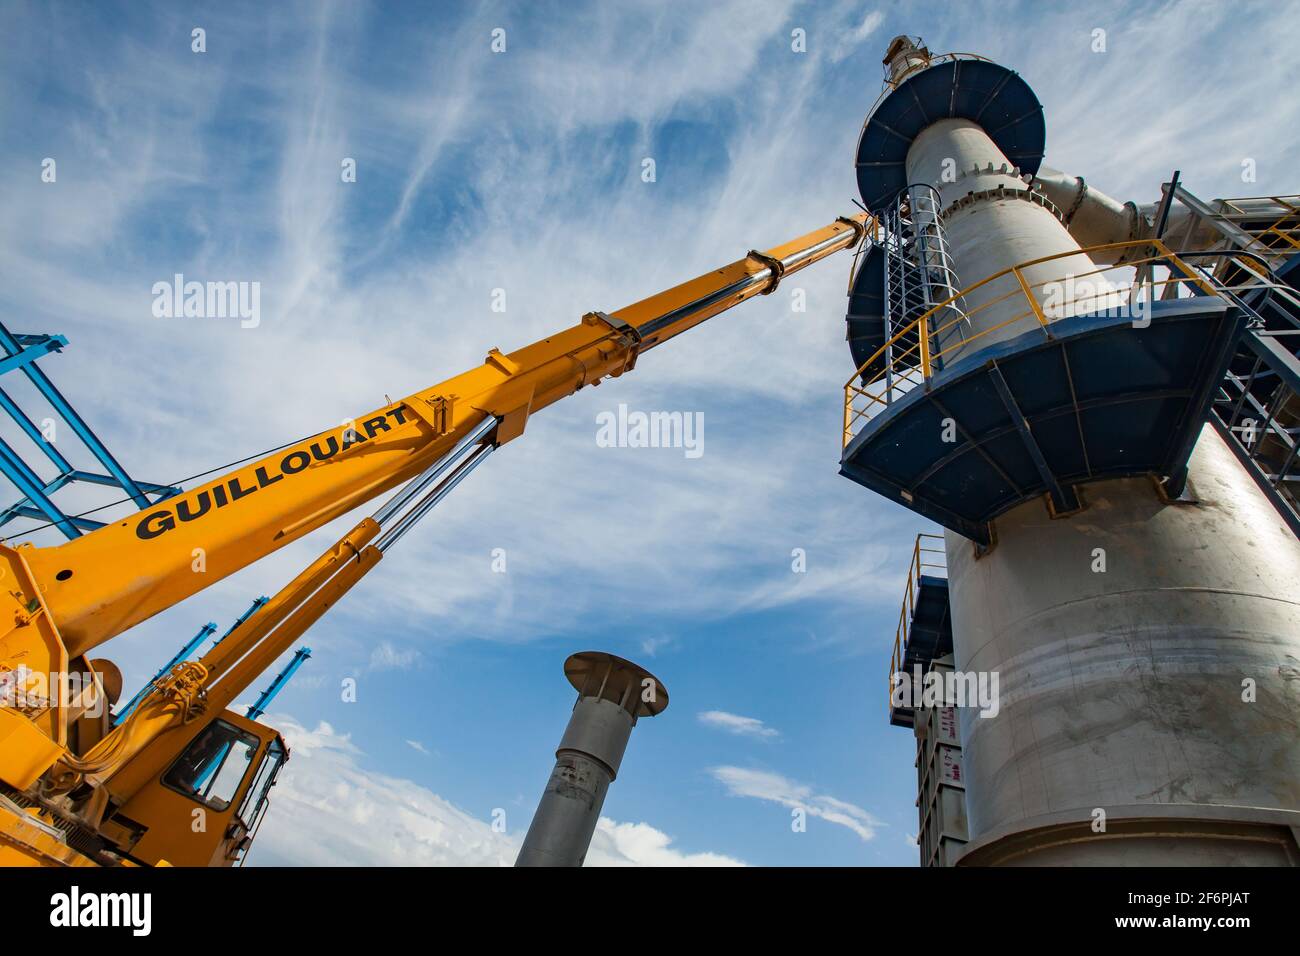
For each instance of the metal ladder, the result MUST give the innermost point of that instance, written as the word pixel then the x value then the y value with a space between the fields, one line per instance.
pixel 918 276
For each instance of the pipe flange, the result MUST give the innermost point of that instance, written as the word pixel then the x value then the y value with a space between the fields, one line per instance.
pixel 1004 169
pixel 1078 200
pixel 1135 231
pixel 1002 192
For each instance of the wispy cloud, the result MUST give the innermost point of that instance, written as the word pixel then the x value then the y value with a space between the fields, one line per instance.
pixel 386 657
pixel 850 40
pixel 640 844
pixel 496 194
pixel 418 747
pixel 653 645
pixel 736 724
pixel 774 788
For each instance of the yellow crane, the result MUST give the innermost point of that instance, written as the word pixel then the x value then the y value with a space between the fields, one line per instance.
pixel 183 780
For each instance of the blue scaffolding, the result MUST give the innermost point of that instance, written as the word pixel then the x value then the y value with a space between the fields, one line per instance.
pixel 21 353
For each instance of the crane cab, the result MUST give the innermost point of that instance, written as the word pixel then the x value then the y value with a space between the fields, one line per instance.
pixel 205 808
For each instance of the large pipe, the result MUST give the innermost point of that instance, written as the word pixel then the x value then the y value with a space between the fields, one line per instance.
pixel 1092 217
pixel 993 221
pixel 612 694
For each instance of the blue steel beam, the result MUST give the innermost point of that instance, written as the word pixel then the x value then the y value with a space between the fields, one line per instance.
pixel 166 491
pixel 33 489
pixel 277 685
pixel 69 414
pixel 21 352
pixel 34 433
pixel 24 510
pixel 19 357
pixel 1063 497
pixel 253 609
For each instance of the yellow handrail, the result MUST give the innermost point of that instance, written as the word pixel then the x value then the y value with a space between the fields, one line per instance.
pixel 1284 227
pixel 920 550
pixel 919 360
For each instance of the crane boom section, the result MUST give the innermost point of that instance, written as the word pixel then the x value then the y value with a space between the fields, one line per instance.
pixel 102 583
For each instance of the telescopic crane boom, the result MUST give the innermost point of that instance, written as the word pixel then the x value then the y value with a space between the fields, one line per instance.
pixel 107 785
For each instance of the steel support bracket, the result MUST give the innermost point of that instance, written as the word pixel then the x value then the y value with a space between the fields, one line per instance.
pixel 629 337
pixel 773 263
pixel 859 228
pixel 512 423
pixel 435 411
pixel 1062 499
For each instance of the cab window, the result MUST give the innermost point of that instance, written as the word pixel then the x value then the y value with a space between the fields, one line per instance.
pixel 255 800
pixel 213 766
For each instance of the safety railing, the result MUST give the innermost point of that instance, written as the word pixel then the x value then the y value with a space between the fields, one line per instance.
pixel 928 556
pixel 1281 235
pixel 1142 270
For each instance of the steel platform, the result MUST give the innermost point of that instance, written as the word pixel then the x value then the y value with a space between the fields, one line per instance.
pixel 985 93
pixel 1036 415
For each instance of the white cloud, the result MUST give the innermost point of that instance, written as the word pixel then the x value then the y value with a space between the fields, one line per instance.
pixel 774 788
pixel 639 844
pixel 386 657
pixel 653 645
pixel 329 810
pixel 736 724
pixel 418 747
pixel 343 324
pixel 851 40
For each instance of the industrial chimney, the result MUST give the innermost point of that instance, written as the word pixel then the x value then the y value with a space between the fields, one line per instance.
pixel 612 694
pixel 1079 399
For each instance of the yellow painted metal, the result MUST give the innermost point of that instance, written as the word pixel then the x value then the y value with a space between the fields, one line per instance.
pixel 165 735
pixel 168 816
pixel 58 603
pixel 104 582
pixel 25 840
pixel 1285 228
pixel 28 751
pixel 927 554
pixel 1029 295
pixel 923 338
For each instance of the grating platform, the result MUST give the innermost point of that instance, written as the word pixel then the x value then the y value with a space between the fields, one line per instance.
pixel 1034 416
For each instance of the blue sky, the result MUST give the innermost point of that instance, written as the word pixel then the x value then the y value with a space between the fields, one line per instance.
pixel 521 171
